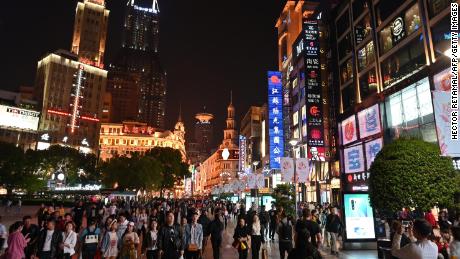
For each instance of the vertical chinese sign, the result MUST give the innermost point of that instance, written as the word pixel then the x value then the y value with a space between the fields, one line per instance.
pixel 275 117
pixel 242 160
pixel 314 109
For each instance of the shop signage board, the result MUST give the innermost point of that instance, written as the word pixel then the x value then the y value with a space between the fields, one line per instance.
pixel 369 121
pixel 275 116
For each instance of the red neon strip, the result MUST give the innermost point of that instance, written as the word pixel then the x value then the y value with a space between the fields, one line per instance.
pixel 59 113
pixel 89 118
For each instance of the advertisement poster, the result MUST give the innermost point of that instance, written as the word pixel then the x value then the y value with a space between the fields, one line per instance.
pixel 275 118
pixel 353 159
pixel 260 181
pixel 372 149
pixel 442 113
pixel 18 118
pixel 349 131
pixel 287 169
pixel 302 170
pixel 359 218
pixel 369 121
pixel 252 178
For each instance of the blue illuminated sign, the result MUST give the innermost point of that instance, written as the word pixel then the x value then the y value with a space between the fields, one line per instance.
pixel 275 118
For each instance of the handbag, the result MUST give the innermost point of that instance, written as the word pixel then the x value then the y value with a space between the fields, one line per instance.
pixel 192 248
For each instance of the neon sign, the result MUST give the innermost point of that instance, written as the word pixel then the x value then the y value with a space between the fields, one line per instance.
pixel 275 118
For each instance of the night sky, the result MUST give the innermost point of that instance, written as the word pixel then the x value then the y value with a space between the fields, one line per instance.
pixel 207 48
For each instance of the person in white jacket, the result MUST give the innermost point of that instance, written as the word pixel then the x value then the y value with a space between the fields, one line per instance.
pixel 69 238
pixel 454 246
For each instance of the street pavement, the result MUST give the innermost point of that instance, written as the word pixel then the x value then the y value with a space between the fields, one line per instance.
pixel 227 251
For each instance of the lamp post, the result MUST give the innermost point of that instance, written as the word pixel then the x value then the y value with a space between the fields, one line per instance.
pixel 294 143
pixel 256 190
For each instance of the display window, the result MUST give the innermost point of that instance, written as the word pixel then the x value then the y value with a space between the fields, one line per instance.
pixel 385 9
pixel 346 71
pixel 348 96
pixel 363 29
pixel 368 84
pixel 441 36
pixel 344 46
pixel 437 6
pixel 366 55
pixel 410 112
pixel 343 23
pixel 402 26
pixel 359 7
pixel 404 62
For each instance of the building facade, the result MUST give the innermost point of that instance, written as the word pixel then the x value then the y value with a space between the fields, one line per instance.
pixel 137 80
pixel 129 137
pixel 222 166
pixel 90 32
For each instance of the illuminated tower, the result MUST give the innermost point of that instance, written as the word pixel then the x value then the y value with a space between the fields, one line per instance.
pixel 139 58
pixel 90 32
pixel 230 134
pixel 204 131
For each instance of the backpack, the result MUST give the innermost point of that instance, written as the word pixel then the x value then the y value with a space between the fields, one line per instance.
pixel 285 232
pixel 91 240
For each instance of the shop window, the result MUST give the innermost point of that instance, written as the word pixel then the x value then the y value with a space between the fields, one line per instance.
pixel 403 63
pixel 359 7
pixel 295 118
pixel 402 26
pixel 346 71
pixel 437 6
pixel 409 112
pixel 343 23
pixel 363 29
pixel 385 9
pixel 441 36
pixel 368 84
pixel 348 96
pixel 345 46
pixel 366 55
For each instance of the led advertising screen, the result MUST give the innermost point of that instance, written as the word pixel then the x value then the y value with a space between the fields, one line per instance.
pixel 353 159
pixel 359 217
pixel 372 149
pixel 275 118
pixel 369 121
pixel 18 118
pixel 349 131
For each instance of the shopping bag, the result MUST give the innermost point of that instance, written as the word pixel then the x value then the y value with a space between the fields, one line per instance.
pixel 264 253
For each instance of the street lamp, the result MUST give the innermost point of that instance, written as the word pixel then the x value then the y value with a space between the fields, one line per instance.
pixel 294 143
pixel 255 164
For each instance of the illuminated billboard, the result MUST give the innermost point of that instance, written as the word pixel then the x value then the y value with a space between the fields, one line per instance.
pixel 353 159
pixel 369 121
pixel 359 217
pixel 14 117
pixel 275 118
pixel 349 131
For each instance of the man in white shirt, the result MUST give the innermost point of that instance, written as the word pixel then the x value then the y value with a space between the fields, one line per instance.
pixel 422 248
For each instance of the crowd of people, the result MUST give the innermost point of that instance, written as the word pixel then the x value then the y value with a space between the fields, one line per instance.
pixel 171 229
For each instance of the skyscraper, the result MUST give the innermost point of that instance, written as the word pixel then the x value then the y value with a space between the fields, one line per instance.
pixel 70 87
pixel 90 32
pixel 139 58
pixel 204 131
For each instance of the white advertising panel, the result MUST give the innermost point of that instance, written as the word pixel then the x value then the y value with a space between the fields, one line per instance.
pixel 372 149
pixel 287 169
pixel 369 121
pixel 359 217
pixel 353 159
pixel 18 118
pixel 349 131
pixel 442 112
pixel 302 169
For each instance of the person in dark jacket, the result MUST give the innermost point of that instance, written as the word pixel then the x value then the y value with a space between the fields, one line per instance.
pixel 216 227
pixel 264 219
pixel 32 231
pixel 333 226
pixel 170 239
pixel 50 242
pixel 304 249
pixel 241 237
pixel 272 214
pixel 150 241
pixel 204 221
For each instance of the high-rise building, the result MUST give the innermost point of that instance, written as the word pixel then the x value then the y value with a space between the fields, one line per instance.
pixel 138 61
pixel 70 86
pixel 250 128
pixel 204 131
pixel 90 32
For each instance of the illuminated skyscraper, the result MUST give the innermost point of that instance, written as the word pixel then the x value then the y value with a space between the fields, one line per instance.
pixel 90 32
pixel 139 58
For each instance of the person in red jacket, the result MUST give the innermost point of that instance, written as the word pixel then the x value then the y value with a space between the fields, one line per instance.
pixel 430 218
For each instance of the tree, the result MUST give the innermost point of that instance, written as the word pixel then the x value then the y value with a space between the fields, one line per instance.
pixel 132 172
pixel 173 168
pixel 411 173
pixel 284 198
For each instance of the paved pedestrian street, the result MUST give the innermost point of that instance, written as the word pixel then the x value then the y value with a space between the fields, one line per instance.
pixel 228 252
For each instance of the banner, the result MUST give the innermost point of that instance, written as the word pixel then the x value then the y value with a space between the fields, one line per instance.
pixel 287 169
pixel 260 181
pixel 252 181
pixel 372 149
pixel 275 118
pixel 353 159
pixel 349 132
pixel 442 112
pixel 369 121
pixel 302 170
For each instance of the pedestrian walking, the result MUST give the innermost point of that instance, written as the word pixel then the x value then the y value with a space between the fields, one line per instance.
pixel 130 242
pixel 89 240
pixel 333 227
pixel 304 249
pixel 284 234
pixel 69 240
pixel 193 239
pixel 50 242
pixel 150 241
pixel 313 228
pixel 241 238
pixel 273 215
pixel 264 219
pixel 257 237
pixel 170 240
pixel 216 228
pixel 109 245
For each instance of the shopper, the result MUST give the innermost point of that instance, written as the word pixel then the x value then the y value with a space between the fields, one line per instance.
pixel 170 243
pixel 333 227
pixel 273 215
pixel 304 249
pixel 241 238
pixel 284 234
pixel 306 222
pixel 216 228
pixel 193 238
pixel 69 240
